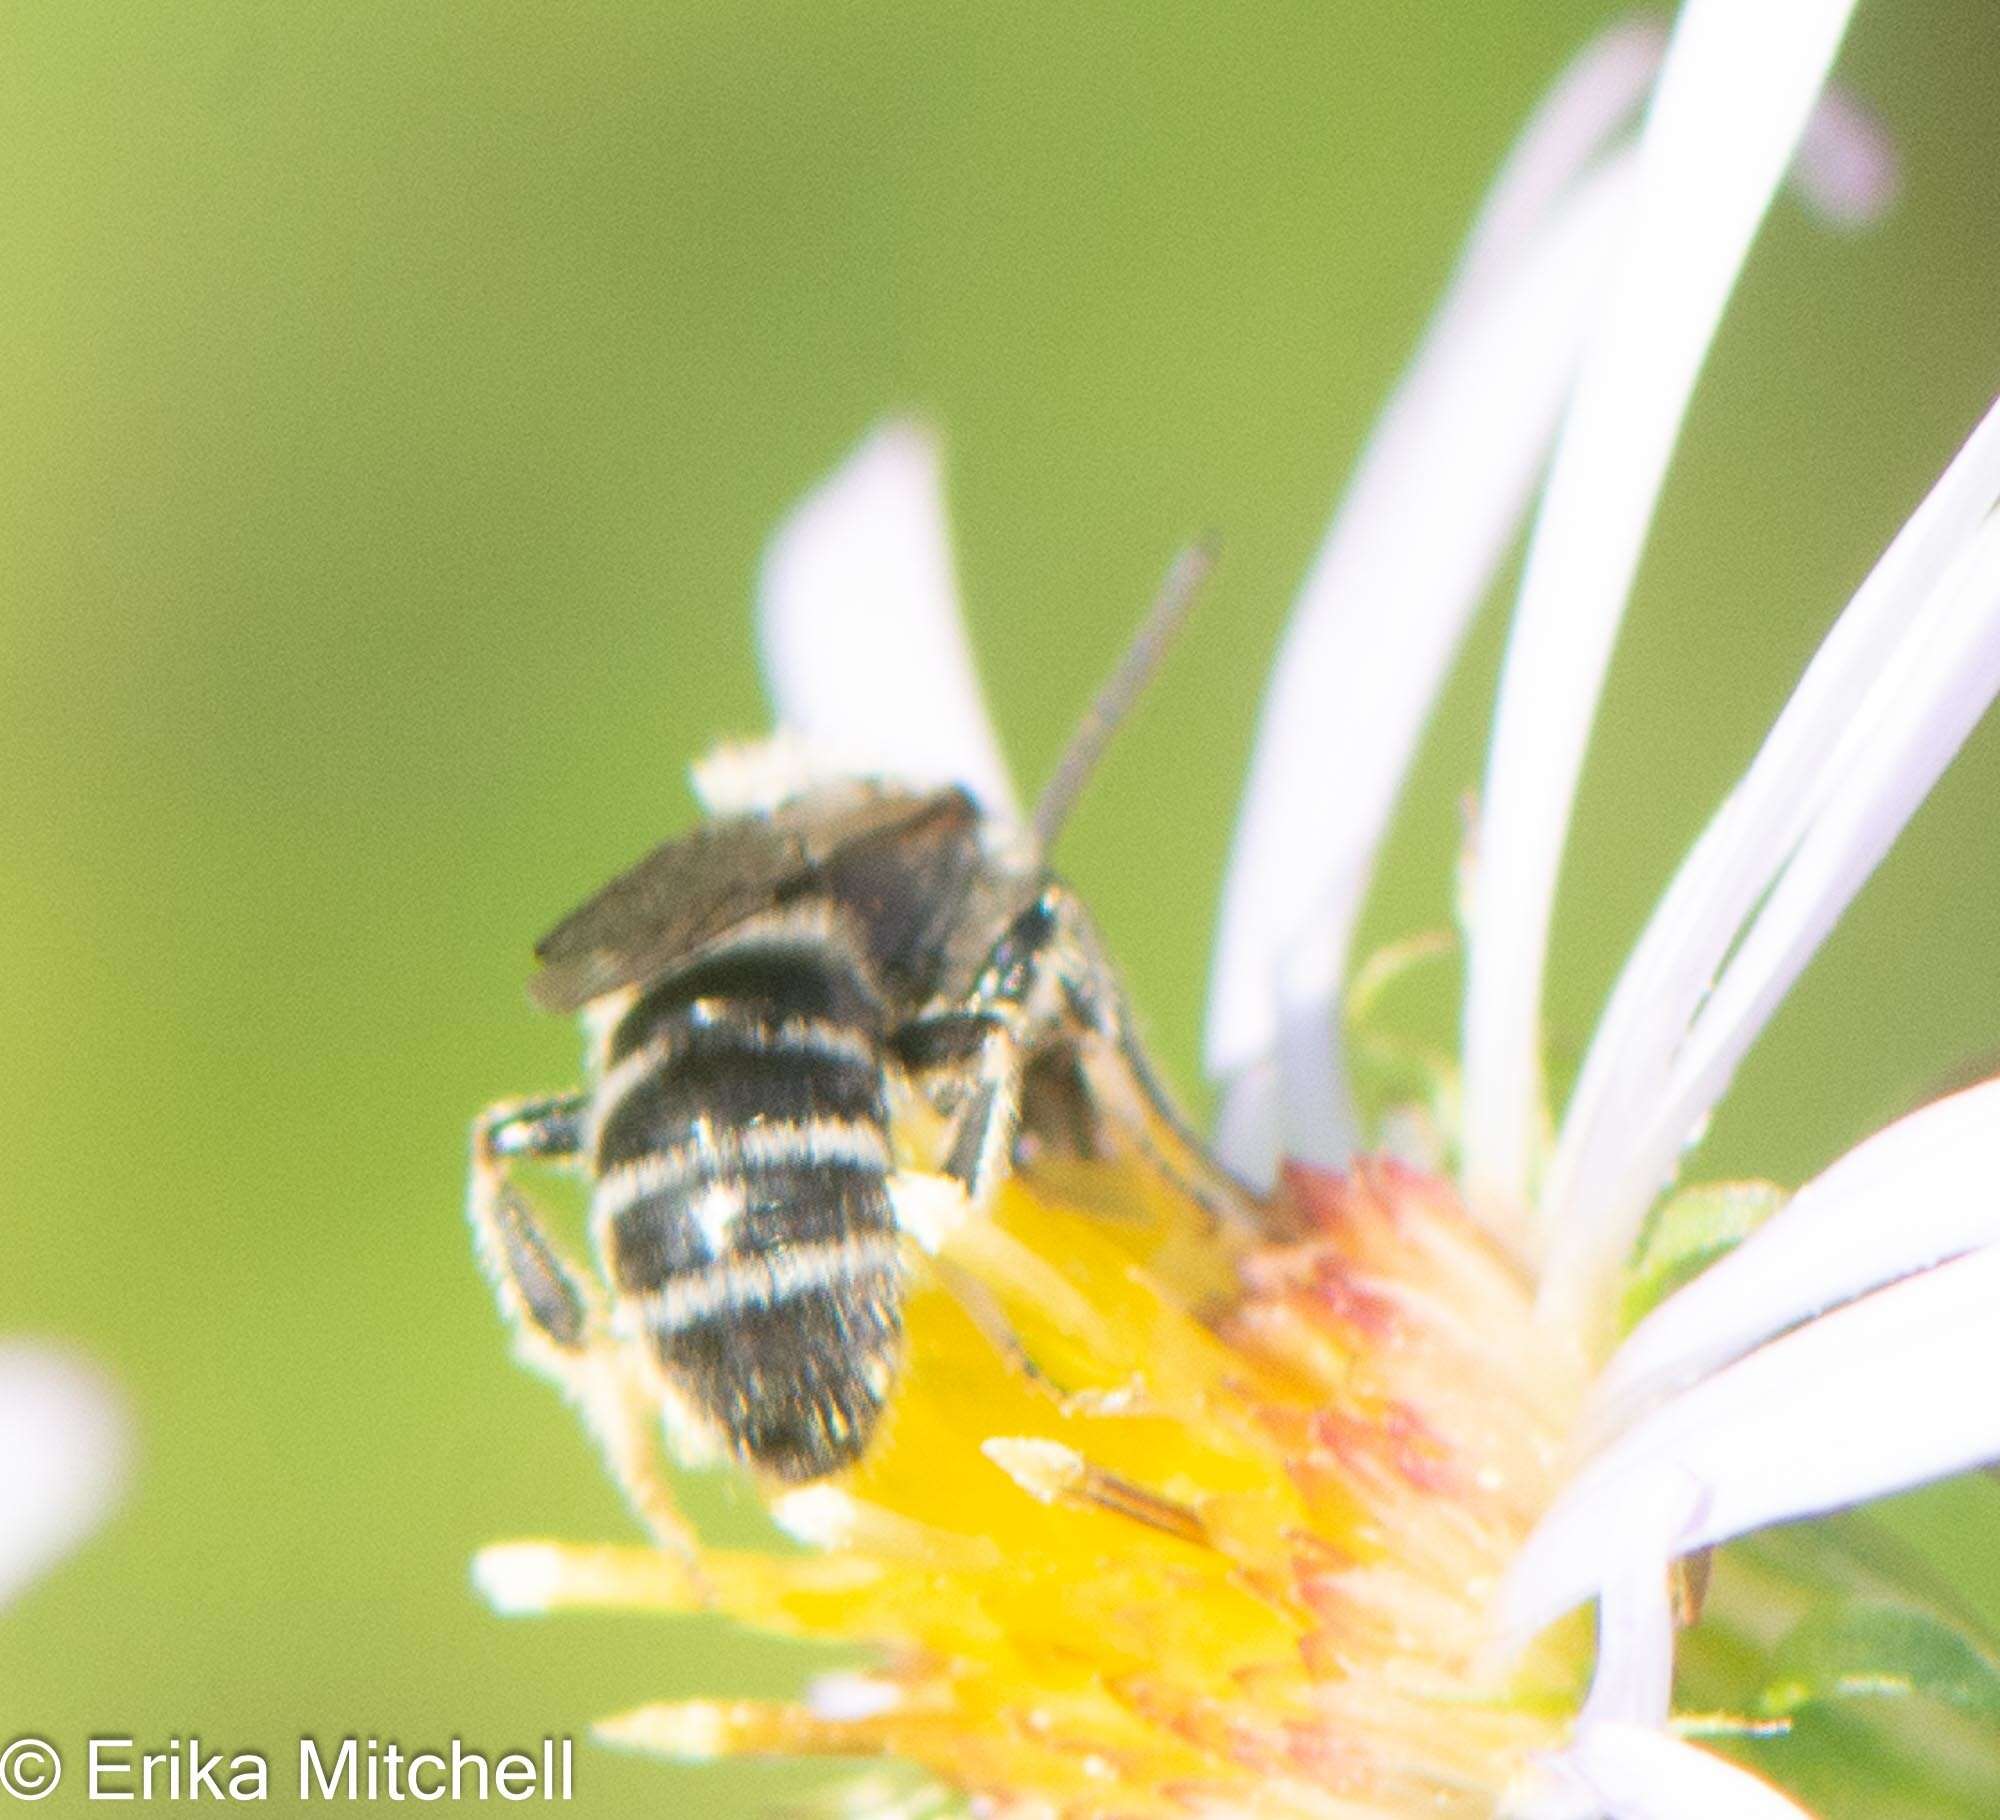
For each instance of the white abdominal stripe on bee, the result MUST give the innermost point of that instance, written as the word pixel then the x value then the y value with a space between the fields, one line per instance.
pixel 713 1170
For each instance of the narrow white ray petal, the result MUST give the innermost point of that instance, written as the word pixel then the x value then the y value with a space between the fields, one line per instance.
pixel 1634 1772
pixel 63 1449
pixel 1732 866
pixel 1919 1192
pixel 1882 1394
pixel 1930 693
pixel 1414 543
pixel 1430 511
pixel 1633 1678
pixel 865 653
pixel 1589 105
pixel 1846 169
pixel 1248 1133
pixel 1318 1122
pixel 1733 100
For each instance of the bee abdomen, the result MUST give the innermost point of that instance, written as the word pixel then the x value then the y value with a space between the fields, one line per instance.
pixel 740 1138
pixel 712 1072
pixel 791 1353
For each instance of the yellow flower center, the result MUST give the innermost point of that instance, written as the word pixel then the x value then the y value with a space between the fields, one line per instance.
pixel 1158 1523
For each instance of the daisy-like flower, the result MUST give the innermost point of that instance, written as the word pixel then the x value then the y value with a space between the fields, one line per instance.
pixel 1402 1513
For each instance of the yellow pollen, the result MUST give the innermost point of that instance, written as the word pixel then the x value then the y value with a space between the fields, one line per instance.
pixel 1161 1523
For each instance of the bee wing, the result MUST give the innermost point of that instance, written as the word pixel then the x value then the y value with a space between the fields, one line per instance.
pixel 687 892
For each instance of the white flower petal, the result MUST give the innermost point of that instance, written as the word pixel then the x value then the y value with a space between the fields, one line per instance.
pixel 1911 1196
pixel 1845 171
pixel 1318 1121
pixel 845 1696
pixel 1874 723
pixel 865 654
pixel 1430 510
pixel 1634 1772
pixel 63 1449
pixel 1732 104
pixel 1882 1394
pixel 1248 1134
pixel 1633 1678
pixel 1591 103
pixel 1731 867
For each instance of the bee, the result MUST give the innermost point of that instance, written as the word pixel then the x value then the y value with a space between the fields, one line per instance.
pixel 784 1007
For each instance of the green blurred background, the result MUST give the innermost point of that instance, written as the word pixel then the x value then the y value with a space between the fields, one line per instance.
pixel 393 401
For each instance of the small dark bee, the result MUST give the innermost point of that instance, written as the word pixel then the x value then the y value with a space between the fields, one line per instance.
pixel 802 1018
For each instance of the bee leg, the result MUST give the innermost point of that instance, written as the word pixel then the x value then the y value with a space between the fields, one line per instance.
pixel 1060 1114
pixel 982 1307
pixel 989 1063
pixel 966 1062
pixel 1136 1096
pixel 1053 968
pixel 560 1323
pixel 545 1299
pixel 549 1126
pixel 982 1147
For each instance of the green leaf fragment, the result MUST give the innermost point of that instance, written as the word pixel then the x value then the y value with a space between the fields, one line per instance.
pixel 1830 1660
pixel 1854 1651
pixel 1405 1089
pixel 1690 1232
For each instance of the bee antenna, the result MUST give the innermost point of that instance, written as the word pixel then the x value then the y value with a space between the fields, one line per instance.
pixel 1136 669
